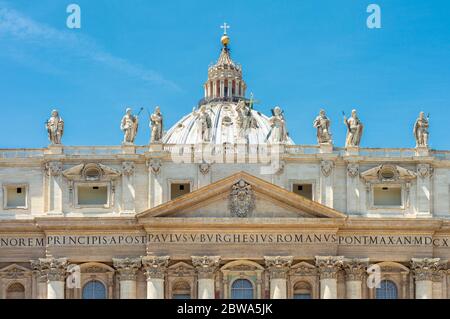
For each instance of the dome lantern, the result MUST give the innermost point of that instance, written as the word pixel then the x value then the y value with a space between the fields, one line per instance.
pixel 225 81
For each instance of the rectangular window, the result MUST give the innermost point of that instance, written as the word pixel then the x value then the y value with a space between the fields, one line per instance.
pixel 15 196
pixel 387 196
pixel 92 195
pixel 304 190
pixel 179 189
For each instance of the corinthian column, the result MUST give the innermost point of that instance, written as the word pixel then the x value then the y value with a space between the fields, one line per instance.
pixel 278 267
pixel 53 270
pixel 423 271
pixel 355 270
pixel 127 269
pixel 206 267
pixel 41 278
pixel 328 268
pixel 155 269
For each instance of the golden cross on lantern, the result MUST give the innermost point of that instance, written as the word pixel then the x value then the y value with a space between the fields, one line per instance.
pixel 225 26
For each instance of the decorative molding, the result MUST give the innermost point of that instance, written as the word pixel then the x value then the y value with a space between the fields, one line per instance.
pixel 424 170
pixel 329 266
pixel 14 271
pixel 352 170
pixel 242 199
pixel 181 269
pixel 303 269
pixel 388 173
pixel 155 266
pixel 278 266
pixel 82 172
pixel 426 268
pixel 51 269
pixel 155 165
pixel 204 168
pixel 205 266
pixel 355 269
pixel 128 168
pixel 127 267
pixel 53 168
pixel 326 167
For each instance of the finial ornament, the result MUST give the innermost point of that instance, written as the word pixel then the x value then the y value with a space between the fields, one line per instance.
pixel 225 38
pixel 225 26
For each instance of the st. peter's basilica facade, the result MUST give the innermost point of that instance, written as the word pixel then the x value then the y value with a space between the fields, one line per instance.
pixel 224 204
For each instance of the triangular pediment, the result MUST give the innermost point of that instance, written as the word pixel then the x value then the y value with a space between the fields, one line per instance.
pixel 241 195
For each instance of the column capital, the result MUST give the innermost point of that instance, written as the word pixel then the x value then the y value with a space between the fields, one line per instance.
pixel 205 266
pixel 53 168
pixel 355 268
pixel 50 269
pixel 278 266
pixel 426 268
pixel 329 266
pixel 155 266
pixel 127 267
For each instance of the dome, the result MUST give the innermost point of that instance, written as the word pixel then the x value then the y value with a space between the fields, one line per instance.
pixel 224 115
pixel 225 128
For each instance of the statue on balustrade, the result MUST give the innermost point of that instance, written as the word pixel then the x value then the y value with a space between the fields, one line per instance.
pixel 354 130
pixel 421 130
pixel 204 124
pixel 322 124
pixel 278 133
pixel 129 126
pixel 55 128
pixel 244 120
pixel 156 125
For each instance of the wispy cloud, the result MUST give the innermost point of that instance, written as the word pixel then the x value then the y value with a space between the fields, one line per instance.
pixel 16 26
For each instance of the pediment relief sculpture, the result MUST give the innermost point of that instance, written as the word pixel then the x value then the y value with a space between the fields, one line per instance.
pixel 388 173
pixel 242 199
pixel 14 271
pixel 91 172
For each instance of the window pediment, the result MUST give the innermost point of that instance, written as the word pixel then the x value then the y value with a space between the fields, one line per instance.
pixel 388 173
pixel 91 172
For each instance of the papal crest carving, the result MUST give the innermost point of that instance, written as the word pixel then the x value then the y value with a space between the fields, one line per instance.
pixel 242 199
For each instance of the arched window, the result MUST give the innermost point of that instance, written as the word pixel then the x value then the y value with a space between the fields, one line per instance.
pixel 181 290
pixel 242 289
pixel 387 290
pixel 302 290
pixel 15 291
pixel 94 289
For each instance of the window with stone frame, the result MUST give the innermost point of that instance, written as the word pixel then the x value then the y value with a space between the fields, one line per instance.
pixel 15 196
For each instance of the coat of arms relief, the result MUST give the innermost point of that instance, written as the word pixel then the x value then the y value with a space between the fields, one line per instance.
pixel 242 199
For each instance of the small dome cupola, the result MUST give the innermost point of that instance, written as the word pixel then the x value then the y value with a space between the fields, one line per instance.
pixel 225 81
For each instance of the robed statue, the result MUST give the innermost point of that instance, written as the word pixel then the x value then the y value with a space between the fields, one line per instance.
pixel 244 120
pixel 204 124
pixel 421 130
pixel 354 130
pixel 278 132
pixel 322 124
pixel 55 128
pixel 156 125
pixel 129 126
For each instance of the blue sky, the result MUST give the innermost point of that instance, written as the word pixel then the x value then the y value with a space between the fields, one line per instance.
pixel 301 55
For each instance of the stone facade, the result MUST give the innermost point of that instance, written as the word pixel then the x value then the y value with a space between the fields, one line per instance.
pixel 259 220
